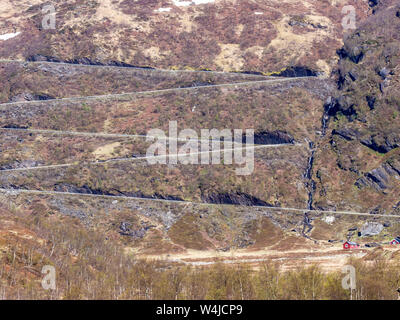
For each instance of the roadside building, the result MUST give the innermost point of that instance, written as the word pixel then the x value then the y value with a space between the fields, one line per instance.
pixel 350 245
pixel 395 241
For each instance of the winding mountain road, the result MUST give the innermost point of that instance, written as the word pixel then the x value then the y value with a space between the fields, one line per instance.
pixel 149 92
pixel 16 191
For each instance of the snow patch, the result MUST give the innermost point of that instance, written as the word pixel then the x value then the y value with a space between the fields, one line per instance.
pixel 180 3
pixel 9 35
pixel 258 12
pixel 203 1
pixel 163 10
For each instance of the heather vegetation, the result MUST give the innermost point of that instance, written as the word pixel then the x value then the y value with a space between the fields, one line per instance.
pixel 228 36
pixel 268 184
pixel 30 81
pixel 25 149
pixel 288 106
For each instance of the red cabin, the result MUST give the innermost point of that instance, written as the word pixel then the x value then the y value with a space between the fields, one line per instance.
pixel 350 245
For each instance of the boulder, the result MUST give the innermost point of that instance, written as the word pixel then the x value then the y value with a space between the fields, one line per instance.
pixel 371 229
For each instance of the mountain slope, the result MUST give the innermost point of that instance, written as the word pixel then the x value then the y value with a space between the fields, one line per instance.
pixel 357 164
pixel 245 35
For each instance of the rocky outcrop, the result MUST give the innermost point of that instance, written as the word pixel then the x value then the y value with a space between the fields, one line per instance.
pixel 379 178
pixel 361 135
pixel 371 229
pixel 234 198
pixel 297 71
pixel 354 54
pixel 65 187
pixel 342 104
pixel 27 96
pixel 14 126
pixel 382 144
pixel 297 21
pixel 127 229
pixel 84 61
pixel 274 137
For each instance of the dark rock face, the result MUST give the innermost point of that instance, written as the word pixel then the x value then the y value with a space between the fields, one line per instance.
pixel 85 61
pixel 14 126
pixel 30 97
pixel 275 137
pixel 387 144
pixel 373 3
pixel 64 187
pixel 297 71
pixel 379 178
pixel 371 102
pixel 39 57
pixel 257 73
pixel 384 72
pixel 346 133
pixel 342 105
pixel 234 198
pixel 355 55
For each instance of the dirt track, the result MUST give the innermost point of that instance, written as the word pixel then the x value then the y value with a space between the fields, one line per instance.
pixel 329 257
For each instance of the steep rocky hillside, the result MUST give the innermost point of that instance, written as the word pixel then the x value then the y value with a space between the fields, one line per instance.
pixel 31 81
pixel 271 183
pixel 71 135
pixel 281 111
pixel 20 148
pixel 290 109
pixel 146 226
pixel 357 164
pixel 250 35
